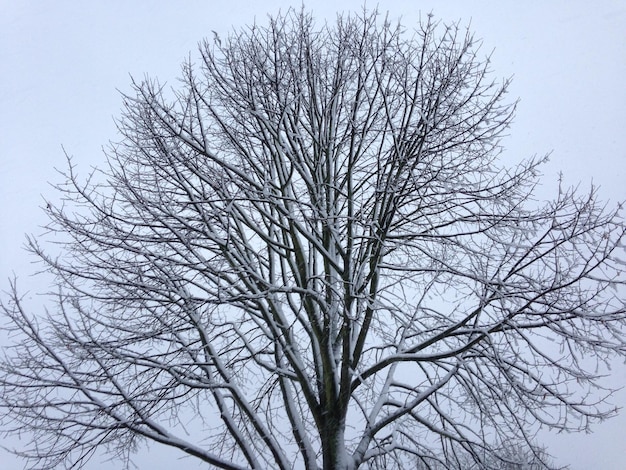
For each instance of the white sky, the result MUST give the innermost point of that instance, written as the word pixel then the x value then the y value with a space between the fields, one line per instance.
pixel 62 62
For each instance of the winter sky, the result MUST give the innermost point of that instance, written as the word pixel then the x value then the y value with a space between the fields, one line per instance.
pixel 64 63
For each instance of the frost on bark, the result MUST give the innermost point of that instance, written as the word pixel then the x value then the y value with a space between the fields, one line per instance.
pixel 310 254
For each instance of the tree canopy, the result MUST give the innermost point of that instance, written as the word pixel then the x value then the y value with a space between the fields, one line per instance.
pixel 312 253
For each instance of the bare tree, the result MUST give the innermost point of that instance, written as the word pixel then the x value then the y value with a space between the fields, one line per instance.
pixel 311 255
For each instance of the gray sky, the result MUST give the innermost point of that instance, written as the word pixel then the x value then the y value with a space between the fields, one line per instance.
pixel 62 62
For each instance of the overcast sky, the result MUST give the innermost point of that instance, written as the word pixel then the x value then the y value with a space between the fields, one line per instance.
pixel 63 62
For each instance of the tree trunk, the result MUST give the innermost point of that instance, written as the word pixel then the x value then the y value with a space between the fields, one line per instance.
pixel 334 452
